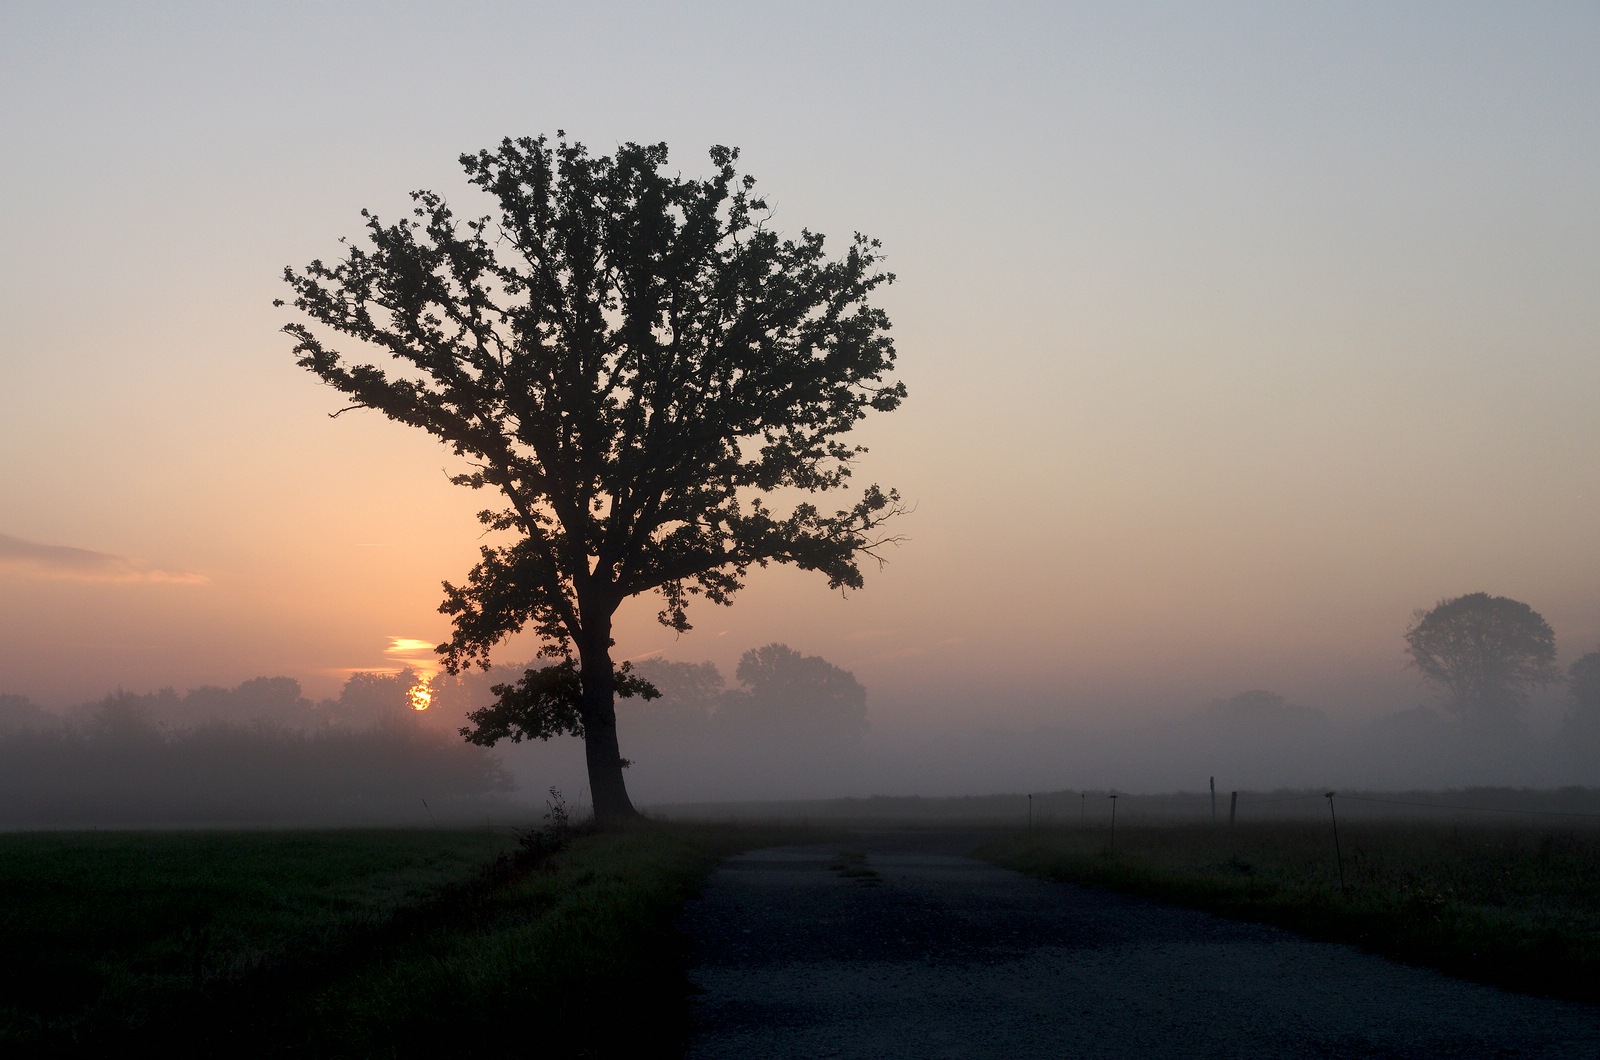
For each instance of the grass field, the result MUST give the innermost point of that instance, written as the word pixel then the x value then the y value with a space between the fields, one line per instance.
pixel 1515 906
pixel 350 943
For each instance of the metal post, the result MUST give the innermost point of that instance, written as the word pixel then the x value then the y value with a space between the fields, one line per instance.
pixel 1233 807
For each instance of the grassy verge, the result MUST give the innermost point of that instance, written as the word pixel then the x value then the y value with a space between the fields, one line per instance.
pixel 371 944
pixel 1512 906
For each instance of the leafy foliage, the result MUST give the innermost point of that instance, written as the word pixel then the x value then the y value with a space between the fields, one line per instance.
pixel 793 691
pixel 542 704
pixel 1487 651
pixel 633 361
pixel 622 354
pixel 1583 684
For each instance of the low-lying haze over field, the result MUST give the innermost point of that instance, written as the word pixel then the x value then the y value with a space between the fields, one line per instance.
pixel 786 726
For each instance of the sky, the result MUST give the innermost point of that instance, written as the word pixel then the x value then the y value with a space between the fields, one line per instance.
pixel 1234 333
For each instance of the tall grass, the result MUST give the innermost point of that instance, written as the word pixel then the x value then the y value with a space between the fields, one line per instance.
pixel 1512 905
pixel 576 958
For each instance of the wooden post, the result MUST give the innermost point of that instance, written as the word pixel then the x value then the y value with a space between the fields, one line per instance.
pixel 1233 808
pixel 1337 853
pixel 1213 800
pixel 1111 848
pixel 1030 812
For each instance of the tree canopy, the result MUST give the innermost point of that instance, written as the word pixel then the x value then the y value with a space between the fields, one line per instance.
pixel 786 690
pixel 1583 684
pixel 636 364
pixel 1486 651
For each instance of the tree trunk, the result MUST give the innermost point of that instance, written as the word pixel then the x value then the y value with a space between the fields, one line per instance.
pixel 600 749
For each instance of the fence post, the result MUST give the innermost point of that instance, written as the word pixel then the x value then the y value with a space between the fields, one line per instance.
pixel 1213 800
pixel 1337 853
pixel 1233 808
pixel 1030 812
pixel 1111 848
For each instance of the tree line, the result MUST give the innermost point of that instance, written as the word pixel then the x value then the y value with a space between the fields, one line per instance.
pixel 781 696
pixel 256 754
pixel 262 752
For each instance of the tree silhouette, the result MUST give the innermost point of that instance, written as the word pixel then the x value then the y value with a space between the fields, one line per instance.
pixel 791 693
pixel 1582 729
pixel 369 698
pixel 1487 652
pixel 21 713
pixel 633 360
pixel 689 691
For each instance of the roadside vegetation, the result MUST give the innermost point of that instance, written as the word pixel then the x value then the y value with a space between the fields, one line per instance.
pixel 352 943
pixel 1513 906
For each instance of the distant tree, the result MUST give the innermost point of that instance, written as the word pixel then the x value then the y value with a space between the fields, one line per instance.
pixel 261 701
pixel 1260 707
pixel 373 698
pixel 1583 683
pixel 785 690
pixel 126 717
pixel 689 691
pixel 274 700
pixel 21 713
pixel 1486 651
pixel 1583 688
pixel 633 360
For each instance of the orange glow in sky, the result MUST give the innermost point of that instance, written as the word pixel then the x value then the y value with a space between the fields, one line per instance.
pixel 1238 333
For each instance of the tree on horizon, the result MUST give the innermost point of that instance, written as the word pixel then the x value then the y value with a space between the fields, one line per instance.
pixel 1486 652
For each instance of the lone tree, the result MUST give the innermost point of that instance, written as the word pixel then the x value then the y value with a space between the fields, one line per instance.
pixel 1487 651
pixel 632 359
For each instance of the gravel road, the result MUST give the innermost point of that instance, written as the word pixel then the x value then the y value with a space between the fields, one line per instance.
pixel 899 946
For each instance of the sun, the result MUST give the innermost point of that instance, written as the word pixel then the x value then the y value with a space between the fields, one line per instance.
pixel 420 694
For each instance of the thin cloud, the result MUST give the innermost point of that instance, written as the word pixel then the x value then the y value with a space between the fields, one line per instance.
pixel 415 654
pixel 642 656
pixel 62 563
pixel 910 652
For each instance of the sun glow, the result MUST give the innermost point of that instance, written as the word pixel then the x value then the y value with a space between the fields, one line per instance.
pixel 420 694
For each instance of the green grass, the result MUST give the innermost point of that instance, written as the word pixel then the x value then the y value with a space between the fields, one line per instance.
pixel 107 931
pixel 358 943
pixel 1517 907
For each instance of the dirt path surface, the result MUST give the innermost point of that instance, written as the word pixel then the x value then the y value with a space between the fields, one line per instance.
pixel 901 947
